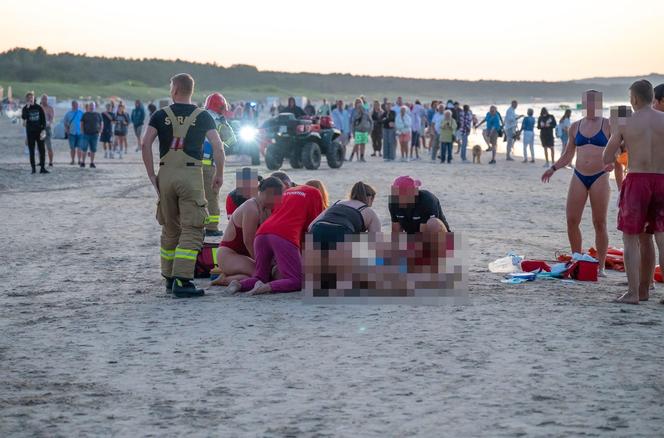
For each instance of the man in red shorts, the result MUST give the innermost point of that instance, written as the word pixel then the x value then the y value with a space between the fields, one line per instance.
pixel 641 205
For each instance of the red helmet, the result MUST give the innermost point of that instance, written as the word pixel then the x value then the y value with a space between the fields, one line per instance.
pixel 216 102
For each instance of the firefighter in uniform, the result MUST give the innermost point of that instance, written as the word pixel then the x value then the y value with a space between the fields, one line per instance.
pixel 217 106
pixel 182 209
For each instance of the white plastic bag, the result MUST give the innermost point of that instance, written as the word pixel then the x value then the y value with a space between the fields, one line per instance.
pixel 508 264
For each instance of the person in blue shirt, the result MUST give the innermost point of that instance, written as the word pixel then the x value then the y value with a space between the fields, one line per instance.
pixel 528 136
pixel 341 119
pixel 494 126
pixel 72 124
pixel 138 119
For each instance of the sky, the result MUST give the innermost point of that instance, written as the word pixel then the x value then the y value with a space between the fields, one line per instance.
pixel 443 39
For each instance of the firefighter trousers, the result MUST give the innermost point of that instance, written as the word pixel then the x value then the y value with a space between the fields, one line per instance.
pixel 212 223
pixel 182 213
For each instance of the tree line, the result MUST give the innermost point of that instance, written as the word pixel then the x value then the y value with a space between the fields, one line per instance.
pixel 27 65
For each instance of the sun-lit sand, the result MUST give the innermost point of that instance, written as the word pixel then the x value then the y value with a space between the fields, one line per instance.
pixel 91 344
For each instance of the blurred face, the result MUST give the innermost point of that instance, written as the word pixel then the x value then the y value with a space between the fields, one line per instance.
pixel 340 105
pixel 514 104
pixel 492 110
pixel 74 105
pixel 247 184
pixel 399 101
pixel 448 115
pixel 137 103
pixel 402 110
pixel 358 105
pixel 44 100
pixel 592 104
pixel 370 200
pixel 404 196
pixel 270 198
pixel 108 107
pixel 30 99
pixel 121 109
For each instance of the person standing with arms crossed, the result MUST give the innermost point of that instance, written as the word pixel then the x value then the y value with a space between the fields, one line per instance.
pixel 641 206
pixel 182 209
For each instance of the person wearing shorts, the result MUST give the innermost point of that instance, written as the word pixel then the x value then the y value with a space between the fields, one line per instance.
pixel 494 123
pixel 106 137
pixel 121 129
pixel 641 205
pixel 546 123
pixel 91 126
pixel 73 130
pixel 361 125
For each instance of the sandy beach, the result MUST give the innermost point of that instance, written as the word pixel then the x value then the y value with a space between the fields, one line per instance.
pixel 92 345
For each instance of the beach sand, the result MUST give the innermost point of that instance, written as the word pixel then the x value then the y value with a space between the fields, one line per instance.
pixel 92 345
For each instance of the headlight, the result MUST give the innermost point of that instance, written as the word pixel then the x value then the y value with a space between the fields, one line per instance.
pixel 248 133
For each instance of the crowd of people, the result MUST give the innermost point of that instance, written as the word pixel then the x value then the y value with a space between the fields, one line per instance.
pixel 419 130
pixel 435 127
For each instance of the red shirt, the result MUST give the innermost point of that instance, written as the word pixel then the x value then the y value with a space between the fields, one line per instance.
pixel 299 207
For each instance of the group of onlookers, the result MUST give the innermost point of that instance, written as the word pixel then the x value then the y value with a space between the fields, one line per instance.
pixel 508 128
pixel 83 129
pixel 436 126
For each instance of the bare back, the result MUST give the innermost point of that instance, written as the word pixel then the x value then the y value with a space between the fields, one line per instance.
pixel 643 134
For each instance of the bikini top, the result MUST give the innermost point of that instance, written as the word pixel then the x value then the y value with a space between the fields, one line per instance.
pixel 598 139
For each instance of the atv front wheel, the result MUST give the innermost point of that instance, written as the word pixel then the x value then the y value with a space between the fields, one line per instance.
pixel 311 156
pixel 273 157
pixel 335 155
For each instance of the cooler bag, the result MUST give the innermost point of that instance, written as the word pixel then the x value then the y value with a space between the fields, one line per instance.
pixel 206 260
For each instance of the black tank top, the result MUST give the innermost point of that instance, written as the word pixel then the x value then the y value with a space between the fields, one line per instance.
pixel 346 216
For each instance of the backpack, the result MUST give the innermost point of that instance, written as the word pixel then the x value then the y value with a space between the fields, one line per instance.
pixel 206 260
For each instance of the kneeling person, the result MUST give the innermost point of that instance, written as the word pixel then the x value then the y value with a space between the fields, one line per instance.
pixel 236 250
pixel 417 211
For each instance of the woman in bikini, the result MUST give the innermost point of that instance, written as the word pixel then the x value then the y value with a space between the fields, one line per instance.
pixel 236 250
pixel 587 139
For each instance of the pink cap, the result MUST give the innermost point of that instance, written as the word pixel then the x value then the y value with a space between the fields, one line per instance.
pixel 404 182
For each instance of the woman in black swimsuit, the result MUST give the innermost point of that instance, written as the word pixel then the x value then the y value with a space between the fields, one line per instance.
pixel 328 246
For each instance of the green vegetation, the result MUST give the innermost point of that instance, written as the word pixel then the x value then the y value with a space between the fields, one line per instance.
pixel 67 75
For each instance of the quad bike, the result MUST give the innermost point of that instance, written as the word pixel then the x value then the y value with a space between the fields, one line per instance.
pixel 303 141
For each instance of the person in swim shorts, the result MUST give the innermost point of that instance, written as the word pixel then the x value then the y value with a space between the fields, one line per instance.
pixel 641 206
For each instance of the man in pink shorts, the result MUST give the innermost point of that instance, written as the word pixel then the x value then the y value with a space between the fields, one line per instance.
pixel 641 206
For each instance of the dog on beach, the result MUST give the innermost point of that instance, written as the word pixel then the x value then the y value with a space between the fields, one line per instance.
pixel 477 153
